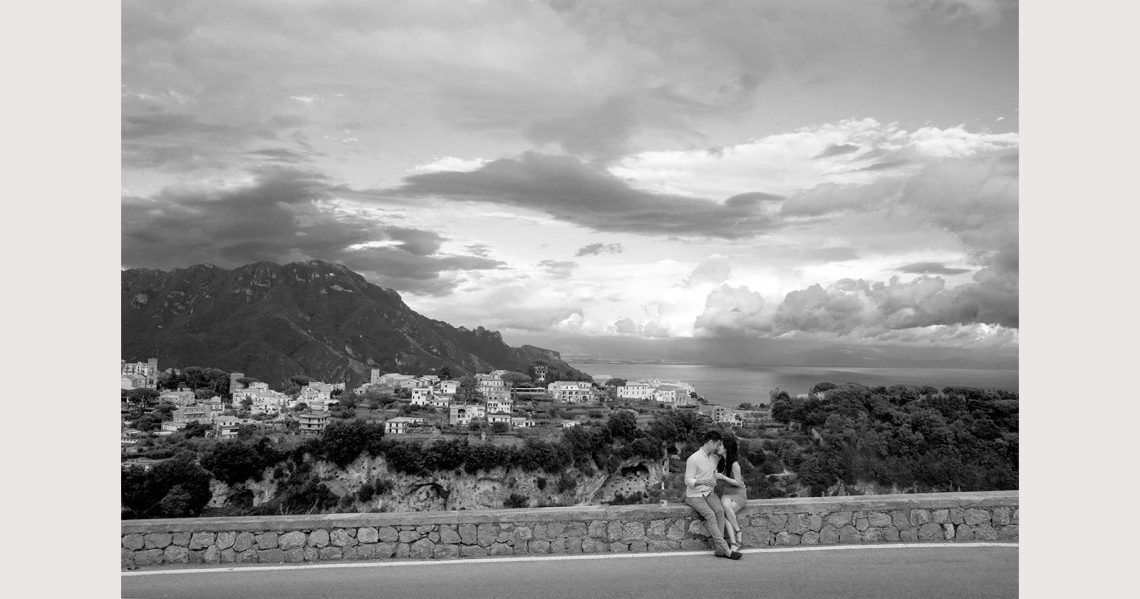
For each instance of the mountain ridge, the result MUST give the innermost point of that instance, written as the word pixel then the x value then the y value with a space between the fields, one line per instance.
pixel 316 318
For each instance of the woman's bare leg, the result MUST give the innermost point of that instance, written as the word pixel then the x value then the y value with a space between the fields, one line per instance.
pixel 730 525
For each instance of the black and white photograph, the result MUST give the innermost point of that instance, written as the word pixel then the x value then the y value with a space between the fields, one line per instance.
pixel 569 298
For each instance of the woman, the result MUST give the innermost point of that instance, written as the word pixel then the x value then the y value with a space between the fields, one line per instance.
pixel 735 492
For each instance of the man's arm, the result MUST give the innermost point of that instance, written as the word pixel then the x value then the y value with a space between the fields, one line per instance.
pixel 690 473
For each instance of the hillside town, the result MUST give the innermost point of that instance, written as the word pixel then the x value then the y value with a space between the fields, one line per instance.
pixel 221 405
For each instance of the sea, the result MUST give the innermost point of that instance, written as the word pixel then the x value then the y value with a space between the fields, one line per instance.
pixel 733 385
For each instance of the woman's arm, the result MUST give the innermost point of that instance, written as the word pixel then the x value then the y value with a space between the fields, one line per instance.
pixel 737 475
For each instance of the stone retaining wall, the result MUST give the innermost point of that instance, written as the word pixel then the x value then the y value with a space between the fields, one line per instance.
pixel 991 516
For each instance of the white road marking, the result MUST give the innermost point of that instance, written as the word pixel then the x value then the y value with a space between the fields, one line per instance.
pixel 548 558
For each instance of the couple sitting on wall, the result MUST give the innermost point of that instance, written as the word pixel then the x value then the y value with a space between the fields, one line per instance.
pixel 716 461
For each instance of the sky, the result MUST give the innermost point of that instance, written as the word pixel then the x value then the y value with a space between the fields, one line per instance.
pixel 809 172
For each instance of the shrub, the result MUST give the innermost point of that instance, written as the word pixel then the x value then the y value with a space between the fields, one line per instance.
pixel 516 501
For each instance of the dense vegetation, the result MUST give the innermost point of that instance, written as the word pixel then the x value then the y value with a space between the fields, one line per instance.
pixel 959 438
pixel 908 438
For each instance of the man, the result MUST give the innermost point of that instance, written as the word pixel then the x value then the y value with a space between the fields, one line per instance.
pixel 700 478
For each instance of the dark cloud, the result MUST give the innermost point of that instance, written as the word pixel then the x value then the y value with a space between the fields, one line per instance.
pixel 887 165
pixel 280 217
pixel 183 142
pixel 931 268
pixel 838 150
pixel 596 249
pixel 558 269
pixel 575 192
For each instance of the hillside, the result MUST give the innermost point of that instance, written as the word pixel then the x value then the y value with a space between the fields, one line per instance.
pixel 314 318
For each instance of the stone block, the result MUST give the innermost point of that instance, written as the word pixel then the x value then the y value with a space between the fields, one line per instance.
pixel 597 529
pixel 558 546
pixel 311 554
pixel 212 555
pixel 976 516
pixel 555 529
pixel 619 547
pixel 957 515
pixel 403 550
pixel 500 549
pixel 271 556
pixel 871 535
pixel 890 533
pixel 149 557
pixel 433 536
pixel 472 551
pixel 787 538
pixel 1001 516
pixel 291 540
pixel 964 532
pixel 266 540
pixel 1016 515
pixel 536 546
pixel 777 522
pixel 318 538
pixel 449 536
pixel 295 555
pixel 815 522
pixel 798 524
pixel 878 519
pixel 367 534
pixel 590 545
pixel 197 557
pixel 697 527
pixel 658 545
pixel 467 533
pixel 539 530
pixel 487 533
pixel 134 541
pixel 909 535
pixel 387 534
pixel 157 540
pixel 330 553
pixel 940 516
pixel 506 536
pixel 809 538
pixel 574 545
pixel 127 559
pixel 249 556
pixel 900 519
pixel 383 550
pixel 523 533
pixel 613 531
pixel 176 555
pixel 947 530
pixel 422 549
pixel 351 552
pixel 638 546
pixel 244 541
pixel 201 540
pixel 182 539
pixel 694 545
pixel 755 537
pixel 227 556
pixel 1007 533
pixel 985 532
pixel 339 538
pixel 862 524
pixel 676 531
pixel 577 529
pixel 424 529
pixel 633 531
pixel 837 519
pixel 920 516
pixel 226 539
pixel 930 532
pixel 829 535
pixel 446 552
pixel 848 535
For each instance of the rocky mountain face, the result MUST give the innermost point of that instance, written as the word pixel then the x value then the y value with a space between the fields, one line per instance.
pixel 316 318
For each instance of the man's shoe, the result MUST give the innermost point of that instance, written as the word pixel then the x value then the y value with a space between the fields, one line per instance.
pixel 735 555
pixel 720 553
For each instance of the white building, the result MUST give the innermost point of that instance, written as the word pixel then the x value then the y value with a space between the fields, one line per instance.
pixel 499 406
pixel 635 390
pixel 571 391
pixel 401 424
pixel 421 396
pixel 462 415
pixel 492 386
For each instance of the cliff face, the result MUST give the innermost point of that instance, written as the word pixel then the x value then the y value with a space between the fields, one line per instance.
pixel 314 318
pixel 459 491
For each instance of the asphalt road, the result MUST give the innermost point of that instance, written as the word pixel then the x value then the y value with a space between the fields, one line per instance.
pixel 871 572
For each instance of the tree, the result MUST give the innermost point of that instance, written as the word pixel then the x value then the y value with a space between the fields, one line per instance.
pixel 342 442
pixel 444 373
pixel 746 406
pixel 468 390
pixel 623 426
pixel 500 427
pixel 300 380
pixel 782 410
pixel 246 404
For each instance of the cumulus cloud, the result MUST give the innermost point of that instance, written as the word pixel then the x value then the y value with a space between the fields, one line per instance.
pixel 923 308
pixel 714 269
pixel 575 192
pixel 283 215
pixel 558 269
pixel 596 249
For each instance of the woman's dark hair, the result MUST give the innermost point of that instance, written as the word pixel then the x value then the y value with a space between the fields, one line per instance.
pixel 730 452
